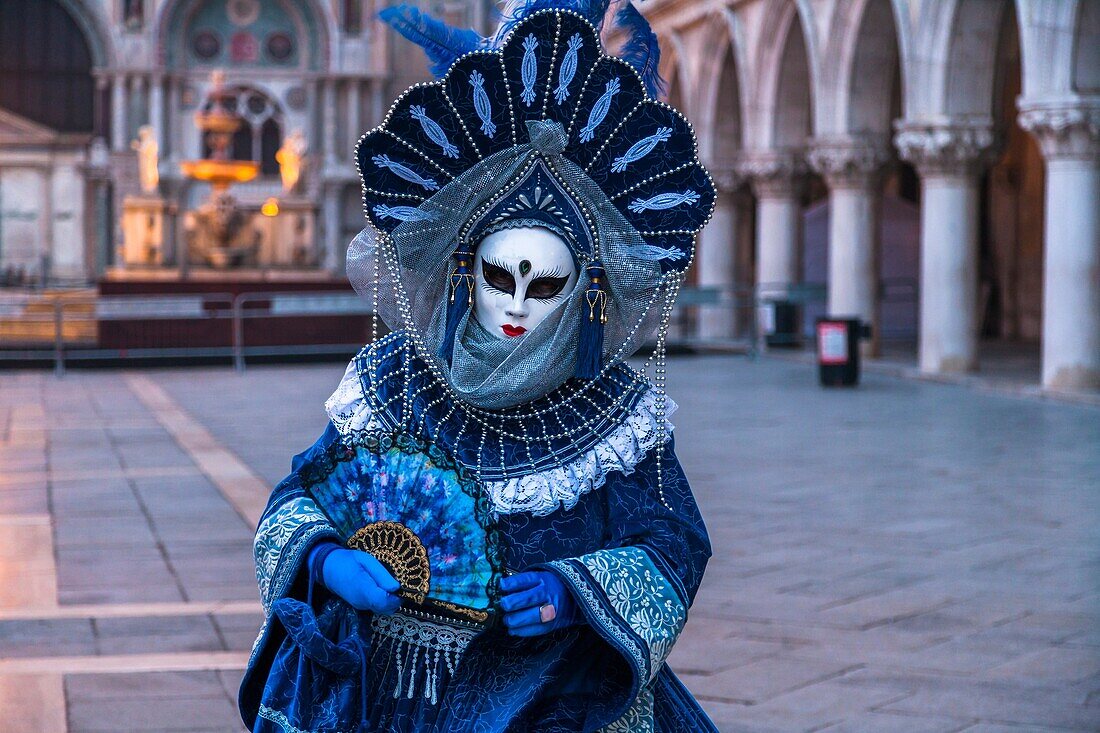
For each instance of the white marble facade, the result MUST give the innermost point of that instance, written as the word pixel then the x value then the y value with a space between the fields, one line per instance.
pixel 846 90
pixel 43 200
pixel 795 101
pixel 312 67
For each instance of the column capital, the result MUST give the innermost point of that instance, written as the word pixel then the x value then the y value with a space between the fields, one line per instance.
pixel 727 178
pixel 774 173
pixel 848 162
pixel 958 148
pixel 1065 130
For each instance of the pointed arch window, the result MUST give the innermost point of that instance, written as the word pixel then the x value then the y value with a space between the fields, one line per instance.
pixel 261 135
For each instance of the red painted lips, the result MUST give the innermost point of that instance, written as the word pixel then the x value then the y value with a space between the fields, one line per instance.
pixel 513 331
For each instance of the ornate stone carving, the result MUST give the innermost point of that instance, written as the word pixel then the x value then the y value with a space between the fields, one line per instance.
pixel 727 178
pixel 848 162
pixel 773 172
pixel 1065 131
pixel 949 148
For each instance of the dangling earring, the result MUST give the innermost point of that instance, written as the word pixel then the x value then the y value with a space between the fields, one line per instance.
pixel 590 348
pixel 462 298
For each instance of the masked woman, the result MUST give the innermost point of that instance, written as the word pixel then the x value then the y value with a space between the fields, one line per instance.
pixel 494 533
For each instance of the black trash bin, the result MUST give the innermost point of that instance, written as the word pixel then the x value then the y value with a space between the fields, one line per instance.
pixel 838 351
pixel 782 321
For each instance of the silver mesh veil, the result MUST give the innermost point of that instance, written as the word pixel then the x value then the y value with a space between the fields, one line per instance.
pixel 412 277
pixel 542 103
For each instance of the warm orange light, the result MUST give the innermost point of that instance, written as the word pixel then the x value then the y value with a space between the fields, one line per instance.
pixel 221 172
pixel 270 207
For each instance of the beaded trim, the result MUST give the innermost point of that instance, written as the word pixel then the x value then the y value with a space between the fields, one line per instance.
pixel 421 648
pixel 645 196
pixel 543 492
pixel 621 450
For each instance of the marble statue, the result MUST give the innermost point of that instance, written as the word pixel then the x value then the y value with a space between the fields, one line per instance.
pixel 148 152
pixel 291 158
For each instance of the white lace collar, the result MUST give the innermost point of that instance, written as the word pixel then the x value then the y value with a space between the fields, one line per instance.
pixel 546 491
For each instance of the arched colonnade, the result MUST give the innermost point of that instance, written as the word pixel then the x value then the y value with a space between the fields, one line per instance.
pixel 982 114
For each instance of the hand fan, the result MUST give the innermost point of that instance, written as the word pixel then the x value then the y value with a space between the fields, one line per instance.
pixel 410 506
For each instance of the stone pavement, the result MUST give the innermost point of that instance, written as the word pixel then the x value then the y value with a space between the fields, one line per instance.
pixel 905 557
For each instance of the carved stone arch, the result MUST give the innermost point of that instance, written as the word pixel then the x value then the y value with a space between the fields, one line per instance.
pixel 1086 50
pixel 316 14
pixel 722 69
pixel 955 59
pixel 865 45
pixel 782 105
pixel 675 70
pixel 53 52
pixel 971 68
pixel 88 18
pixel 1048 44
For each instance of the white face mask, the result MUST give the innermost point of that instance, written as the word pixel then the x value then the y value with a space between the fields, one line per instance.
pixel 521 276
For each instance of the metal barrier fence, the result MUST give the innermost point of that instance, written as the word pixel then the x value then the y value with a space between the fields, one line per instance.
pixel 207 325
pixel 216 325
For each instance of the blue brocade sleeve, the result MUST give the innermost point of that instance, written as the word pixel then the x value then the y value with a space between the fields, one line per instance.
pixel 635 592
pixel 291 525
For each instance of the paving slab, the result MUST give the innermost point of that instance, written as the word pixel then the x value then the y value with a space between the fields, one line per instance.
pixel 902 557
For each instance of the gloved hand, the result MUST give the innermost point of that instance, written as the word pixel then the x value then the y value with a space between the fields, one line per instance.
pixel 357 577
pixel 524 596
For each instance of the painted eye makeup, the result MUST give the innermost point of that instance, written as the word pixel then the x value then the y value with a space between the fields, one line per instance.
pixel 543 286
pixel 546 287
pixel 498 278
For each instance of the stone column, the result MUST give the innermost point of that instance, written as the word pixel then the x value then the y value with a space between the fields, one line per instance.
pixel 172 137
pixel 851 167
pixel 717 258
pixel 156 108
pixel 331 214
pixel 776 178
pixel 949 159
pixel 100 111
pixel 354 117
pixel 137 85
pixel 1069 136
pixel 328 121
pixel 45 227
pixel 377 102
pixel 120 134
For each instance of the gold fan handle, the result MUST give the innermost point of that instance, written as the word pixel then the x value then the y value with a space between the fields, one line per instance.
pixel 402 554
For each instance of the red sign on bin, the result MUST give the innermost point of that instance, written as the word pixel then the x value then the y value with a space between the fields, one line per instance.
pixel 832 343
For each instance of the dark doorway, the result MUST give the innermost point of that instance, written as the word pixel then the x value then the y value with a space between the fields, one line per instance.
pixel 45 65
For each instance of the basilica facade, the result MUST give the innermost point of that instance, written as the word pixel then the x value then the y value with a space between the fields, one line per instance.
pixel 943 152
pixel 930 166
pixel 79 79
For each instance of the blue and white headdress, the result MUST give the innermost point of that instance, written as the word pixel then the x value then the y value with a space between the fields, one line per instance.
pixel 534 126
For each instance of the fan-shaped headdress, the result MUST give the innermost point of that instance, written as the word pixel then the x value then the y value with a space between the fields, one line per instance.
pixel 535 126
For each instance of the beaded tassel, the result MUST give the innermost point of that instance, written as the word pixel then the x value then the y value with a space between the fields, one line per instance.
pixel 590 348
pixel 399 649
pixel 462 298
pixel 659 384
pixel 412 673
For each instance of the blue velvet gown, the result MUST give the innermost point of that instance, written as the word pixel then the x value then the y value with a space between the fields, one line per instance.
pixel 632 559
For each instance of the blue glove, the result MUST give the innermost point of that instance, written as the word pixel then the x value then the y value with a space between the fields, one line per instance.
pixel 355 576
pixel 524 596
